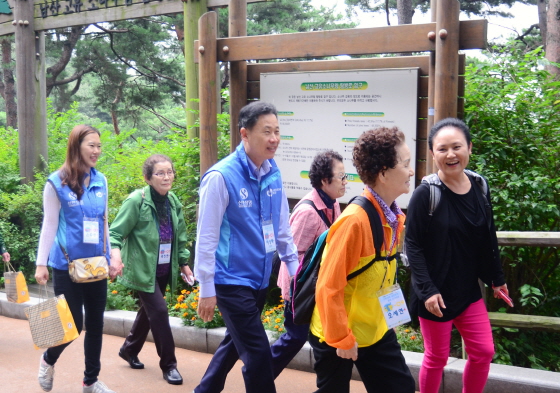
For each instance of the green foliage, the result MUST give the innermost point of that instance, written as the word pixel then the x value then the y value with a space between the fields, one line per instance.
pixel 272 317
pixel 21 206
pixel 120 297
pixel 410 339
pixel 186 306
pixel 287 16
pixel 530 296
pixel 527 348
pixel 513 110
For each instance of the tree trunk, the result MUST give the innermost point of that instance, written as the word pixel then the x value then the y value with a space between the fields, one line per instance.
pixel 9 85
pixel 114 109
pixel 553 37
pixel 541 6
pixel 405 11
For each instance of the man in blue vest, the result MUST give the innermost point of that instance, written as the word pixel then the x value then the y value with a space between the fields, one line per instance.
pixel 243 219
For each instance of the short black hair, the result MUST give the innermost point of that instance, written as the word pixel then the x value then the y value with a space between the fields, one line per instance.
pixel 322 167
pixel 449 122
pixel 249 114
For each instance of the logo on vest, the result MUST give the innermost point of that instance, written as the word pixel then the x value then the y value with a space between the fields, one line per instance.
pixel 271 191
pixel 74 202
pixel 99 194
pixel 244 202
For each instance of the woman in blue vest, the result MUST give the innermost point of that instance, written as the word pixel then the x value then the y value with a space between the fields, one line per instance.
pixel 75 203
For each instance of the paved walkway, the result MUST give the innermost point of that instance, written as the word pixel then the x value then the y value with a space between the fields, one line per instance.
pixel 19 363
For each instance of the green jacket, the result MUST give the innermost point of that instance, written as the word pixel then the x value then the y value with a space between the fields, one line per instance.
pixel 135 231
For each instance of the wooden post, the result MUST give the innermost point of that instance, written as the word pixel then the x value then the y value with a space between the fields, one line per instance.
pixel 29 72
pixel 238 69
pixel 447 59
pixel 430 167
pixel 192 10
pixel 208 35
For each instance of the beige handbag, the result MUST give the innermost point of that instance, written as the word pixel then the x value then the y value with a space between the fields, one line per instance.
pixel 51 322
pixel 90 269
pixel 16 287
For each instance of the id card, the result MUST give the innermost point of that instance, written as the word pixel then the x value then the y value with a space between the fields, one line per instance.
pixel 164 253
pixel 393 306
pixel 91 230
pixel 268 234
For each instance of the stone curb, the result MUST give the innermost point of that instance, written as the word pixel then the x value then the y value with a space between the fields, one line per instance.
pixel 502 379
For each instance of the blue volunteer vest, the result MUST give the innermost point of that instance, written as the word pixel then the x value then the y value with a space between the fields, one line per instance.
pixel 241 258
pixel 70 231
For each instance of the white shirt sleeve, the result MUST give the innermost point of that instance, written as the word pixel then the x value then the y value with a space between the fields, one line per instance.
pixel 214 199
pixel 51 212
pixel 287 251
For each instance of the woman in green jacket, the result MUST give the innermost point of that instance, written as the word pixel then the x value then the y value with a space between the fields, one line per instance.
pixel 150 232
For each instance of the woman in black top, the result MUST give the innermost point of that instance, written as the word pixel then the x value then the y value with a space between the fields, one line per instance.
pixel 448 252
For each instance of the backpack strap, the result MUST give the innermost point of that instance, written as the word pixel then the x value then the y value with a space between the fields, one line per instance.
pixel 434 182
pixel 376 230
pixel 436 185
pixel 319 212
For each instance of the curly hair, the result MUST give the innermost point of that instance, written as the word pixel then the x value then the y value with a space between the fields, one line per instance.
pixel 449 122
pixel 375 151
pixel 322 167
pixel 151 161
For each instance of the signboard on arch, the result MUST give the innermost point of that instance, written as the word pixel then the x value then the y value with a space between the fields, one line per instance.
pixel 330 110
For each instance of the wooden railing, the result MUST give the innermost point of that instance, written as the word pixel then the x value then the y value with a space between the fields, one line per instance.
pixel 535 322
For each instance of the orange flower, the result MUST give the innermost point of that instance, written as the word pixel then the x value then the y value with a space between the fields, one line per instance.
pixel 276 326
pixel 184 291
pixel 114 292
pixel 280 329
pixel 278 320
pixel 188 293
pixel 193 318
pixel 406 330
pixel 185 314
pixel 413 337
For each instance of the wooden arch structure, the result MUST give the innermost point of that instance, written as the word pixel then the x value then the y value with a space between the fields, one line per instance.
pixel 441 85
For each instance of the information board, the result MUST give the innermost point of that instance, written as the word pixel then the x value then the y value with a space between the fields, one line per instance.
pixel 330 110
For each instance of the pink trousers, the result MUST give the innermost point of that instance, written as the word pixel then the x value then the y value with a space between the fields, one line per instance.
pixel 474 326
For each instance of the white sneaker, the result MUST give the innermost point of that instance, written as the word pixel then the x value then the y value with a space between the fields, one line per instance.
pixel 98 387
pixel 46 375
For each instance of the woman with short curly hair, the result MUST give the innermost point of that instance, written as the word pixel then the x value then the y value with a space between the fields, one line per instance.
pixel 348 326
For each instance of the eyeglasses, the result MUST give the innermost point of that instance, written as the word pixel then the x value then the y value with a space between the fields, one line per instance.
pixel 163 174
pixel 342 177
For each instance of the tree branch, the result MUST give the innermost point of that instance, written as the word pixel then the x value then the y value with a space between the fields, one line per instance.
pixel 76 76
pixel 162 118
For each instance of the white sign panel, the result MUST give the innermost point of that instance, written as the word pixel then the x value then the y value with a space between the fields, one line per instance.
pixel 330 110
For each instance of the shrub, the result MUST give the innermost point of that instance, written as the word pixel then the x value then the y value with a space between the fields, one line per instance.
pixel 120 297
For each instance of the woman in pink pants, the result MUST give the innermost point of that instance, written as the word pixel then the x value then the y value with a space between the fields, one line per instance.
pixel 451 243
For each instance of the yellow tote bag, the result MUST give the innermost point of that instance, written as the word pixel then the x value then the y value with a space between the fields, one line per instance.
pixel 51 322
pixel 16 287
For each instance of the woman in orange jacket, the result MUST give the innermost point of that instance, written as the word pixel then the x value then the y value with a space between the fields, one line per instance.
pixel 348 326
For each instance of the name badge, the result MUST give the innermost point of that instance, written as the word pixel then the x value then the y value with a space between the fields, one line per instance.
pixel 164 253
pixel 268 235
pixel 91 230
pixel 393 305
